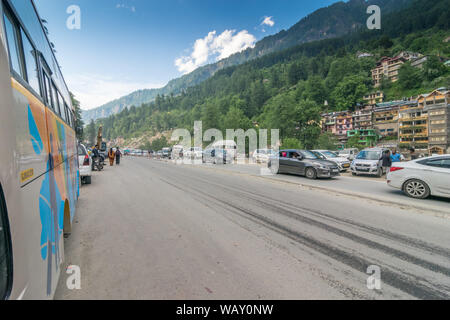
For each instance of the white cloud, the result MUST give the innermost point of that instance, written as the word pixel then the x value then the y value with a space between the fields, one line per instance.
pixel 95 90
pixel 216 47
pixel 268 21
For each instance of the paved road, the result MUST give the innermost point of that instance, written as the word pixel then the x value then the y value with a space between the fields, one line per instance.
pixel 155 230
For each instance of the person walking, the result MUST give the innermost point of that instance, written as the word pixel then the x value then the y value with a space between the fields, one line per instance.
pixel 386 159
pixel 118 156
pixel 111 156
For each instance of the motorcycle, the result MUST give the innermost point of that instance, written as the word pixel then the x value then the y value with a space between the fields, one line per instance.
pixel 97 164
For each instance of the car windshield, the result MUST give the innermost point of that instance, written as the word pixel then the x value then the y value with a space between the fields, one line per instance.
pixel 309 155
pixel 369 155
pixel 330 154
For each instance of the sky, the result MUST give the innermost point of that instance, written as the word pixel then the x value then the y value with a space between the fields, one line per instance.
pixel 126 45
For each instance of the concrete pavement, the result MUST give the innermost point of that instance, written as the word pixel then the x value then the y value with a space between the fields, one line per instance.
pixel 155 230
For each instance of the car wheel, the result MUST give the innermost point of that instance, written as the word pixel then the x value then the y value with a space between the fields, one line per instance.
pixel 354 174
pixel 88 180
pixel 416 189
pixel 311 173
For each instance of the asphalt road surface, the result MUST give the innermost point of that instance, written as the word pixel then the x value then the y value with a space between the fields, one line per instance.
pixel 155 230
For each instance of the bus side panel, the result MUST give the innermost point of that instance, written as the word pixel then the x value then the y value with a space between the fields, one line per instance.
pixel 31 134
pixel 9 172
pixel 63 149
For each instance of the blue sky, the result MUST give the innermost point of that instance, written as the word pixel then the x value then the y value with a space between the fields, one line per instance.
pixel 125 45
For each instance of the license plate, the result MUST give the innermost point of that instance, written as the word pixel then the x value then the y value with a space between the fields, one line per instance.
pixel 346 166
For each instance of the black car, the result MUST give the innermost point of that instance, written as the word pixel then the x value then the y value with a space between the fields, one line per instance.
pixel 304 163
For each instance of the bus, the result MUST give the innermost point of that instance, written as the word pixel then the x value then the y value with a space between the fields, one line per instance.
pixel 39 177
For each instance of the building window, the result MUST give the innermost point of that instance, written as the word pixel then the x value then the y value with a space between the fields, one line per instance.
pixel 32 73
pixel 13 44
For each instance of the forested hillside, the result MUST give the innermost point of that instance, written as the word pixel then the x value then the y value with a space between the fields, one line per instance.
pixel 330 22
pixel 287 89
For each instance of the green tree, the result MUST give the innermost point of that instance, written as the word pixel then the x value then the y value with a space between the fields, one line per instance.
pixel 355 142
pixel 91 133
pixel 291 143
pixel 409 77
pixel 327 141
pixel 79 123
pixel 349 92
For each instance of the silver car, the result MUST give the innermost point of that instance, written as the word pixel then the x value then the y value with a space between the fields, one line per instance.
pixel 368 162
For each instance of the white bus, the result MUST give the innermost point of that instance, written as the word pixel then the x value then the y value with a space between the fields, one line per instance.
pixel 39 177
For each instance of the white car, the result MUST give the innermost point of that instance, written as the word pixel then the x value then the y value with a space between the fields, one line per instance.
pixel 262 155
pixel 349 154
pixel 193 153
pixel 423 177
pixel 84 164
pixel 342 162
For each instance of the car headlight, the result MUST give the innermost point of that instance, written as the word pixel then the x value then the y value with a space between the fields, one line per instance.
pixel 320 165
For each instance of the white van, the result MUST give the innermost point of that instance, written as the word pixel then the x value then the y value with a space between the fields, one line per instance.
pixel 229 146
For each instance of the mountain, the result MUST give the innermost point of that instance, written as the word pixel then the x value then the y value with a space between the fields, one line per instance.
pixel 330 22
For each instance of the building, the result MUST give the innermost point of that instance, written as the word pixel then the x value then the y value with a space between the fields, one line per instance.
pixel 374 98
pixel 362 118
pixel 437 106
pixel 368 137
pixel 413 126
pixel 389 67
pixel 329 122
pixel 385 118
pixel 344 123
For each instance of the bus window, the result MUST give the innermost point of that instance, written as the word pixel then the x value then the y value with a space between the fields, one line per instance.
pixel 11 37
pixel 31 68
pixel 48 94
pixel 55 100
pixel 5 263
pixel 62 107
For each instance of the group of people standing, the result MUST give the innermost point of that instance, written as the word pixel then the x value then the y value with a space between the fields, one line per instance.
pixel 114 156
pixel 389 158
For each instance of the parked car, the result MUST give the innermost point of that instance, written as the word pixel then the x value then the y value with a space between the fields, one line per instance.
pixel 423 177
pixel 350 154
pixel 304 163
pixel 368 162
pixel 85 164
pixel 194 153
pixel 262 155
pixel 167 153
pixel 343 163
pixel 217 156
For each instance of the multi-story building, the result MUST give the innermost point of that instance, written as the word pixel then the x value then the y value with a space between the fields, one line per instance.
pixel 368 137
pixel 329 122
pixel 344 123
pixel 374 98
pixel 413 126
pixel 362 118
pixel 389 67
pixel 437 106
pixel 385 118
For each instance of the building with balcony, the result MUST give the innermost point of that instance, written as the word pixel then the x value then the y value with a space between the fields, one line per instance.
pixel 368 137
pixel 344 123
pixel 362 118
pixel 413 126
pixel 437 106
pixel 374 98
pixel 385 118
pixel 388 68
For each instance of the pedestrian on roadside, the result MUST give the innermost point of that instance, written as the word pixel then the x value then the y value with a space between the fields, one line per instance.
pixel 414 156
pixel 396 157
pixel 118 156
pixel 111 156
pixel 386 160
